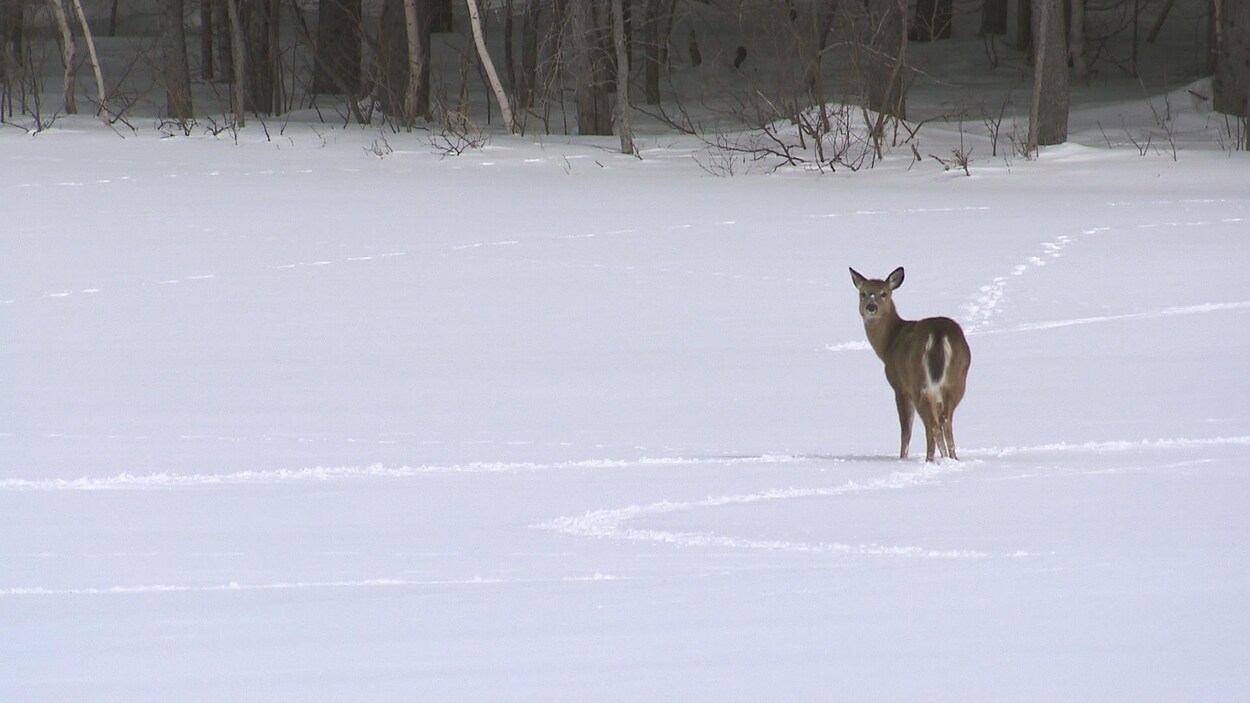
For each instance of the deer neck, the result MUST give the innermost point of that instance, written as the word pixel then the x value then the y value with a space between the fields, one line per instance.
pixel 882 331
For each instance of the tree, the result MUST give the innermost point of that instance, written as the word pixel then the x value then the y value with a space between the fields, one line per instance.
pixel 623 127
pixel 1076 43
pixel 588 28
pixel 175 68
pixel 68 52
pixel 259 23
pixel 1048 119
pixel 403 91
pixel 1232 60
pixel 883 52
pixel 657 26
pixel 932 20
pixel 475 22
pixel 336 64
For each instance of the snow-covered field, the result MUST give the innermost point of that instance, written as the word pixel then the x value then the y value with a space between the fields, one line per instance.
pixel 286 421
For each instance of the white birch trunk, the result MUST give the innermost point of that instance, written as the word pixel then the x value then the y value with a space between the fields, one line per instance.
pixel 67 54
pixel 501 97
pixel 102 112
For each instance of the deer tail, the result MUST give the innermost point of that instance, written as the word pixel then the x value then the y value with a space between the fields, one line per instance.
pixel 937 353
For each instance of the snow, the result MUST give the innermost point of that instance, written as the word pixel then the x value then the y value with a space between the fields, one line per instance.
pixel 283 420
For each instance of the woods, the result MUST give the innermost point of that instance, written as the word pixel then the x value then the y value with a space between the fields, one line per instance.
pixel 575 66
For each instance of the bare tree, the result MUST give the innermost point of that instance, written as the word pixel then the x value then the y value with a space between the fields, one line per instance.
pixel 623 127
pixel 176 69
pixel 587 29
pixel 932 20
pixel 336 67
pixel 884 52
pixel 1048 118
pixel 501 97
pixel 238 62
pixel 68 52
pixel 1232 60
pixel 1076 43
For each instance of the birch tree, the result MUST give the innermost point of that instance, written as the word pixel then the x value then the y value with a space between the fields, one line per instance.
pixel 501 97
pixel 68 52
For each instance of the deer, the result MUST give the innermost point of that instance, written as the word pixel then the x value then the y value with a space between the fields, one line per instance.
pixel 926 362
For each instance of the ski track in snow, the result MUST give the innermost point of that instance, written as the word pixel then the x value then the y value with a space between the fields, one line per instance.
pixel 614 523
pixel 325 473
pixel 618 524
pixel 235 587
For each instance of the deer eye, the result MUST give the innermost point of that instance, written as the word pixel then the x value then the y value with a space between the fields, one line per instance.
pixel 862 295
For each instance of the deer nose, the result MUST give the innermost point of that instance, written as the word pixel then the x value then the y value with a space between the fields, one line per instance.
pixel 871 308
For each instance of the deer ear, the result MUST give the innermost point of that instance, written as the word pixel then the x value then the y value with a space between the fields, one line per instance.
pixel 857 278
pixel 895 279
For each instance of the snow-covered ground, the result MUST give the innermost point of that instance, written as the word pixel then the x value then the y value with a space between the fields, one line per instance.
pixel 286 421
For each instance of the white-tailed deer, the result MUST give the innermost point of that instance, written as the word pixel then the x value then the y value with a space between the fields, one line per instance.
pixel 926 362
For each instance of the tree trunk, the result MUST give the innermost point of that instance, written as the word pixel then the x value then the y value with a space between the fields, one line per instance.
pixel 529 55
pixel 67 55
pixel 501 97
pixel 932 20
pixel 594 114
pixel 11 21
pixel 238 62
pixel 259 20
pixel 993 18
pixel 392 80
pixel 884 56
pixel 1024 26
pixel 623 127
pixel 102 111
pixel 206 40
pixel 1232 58
pixel 336 64
pixel 1076 43
pixel 1048 119
pixel 414 107
pixel 654 30
pixel 176 69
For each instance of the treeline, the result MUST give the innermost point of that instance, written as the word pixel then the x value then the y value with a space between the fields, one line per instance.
pixel 543 60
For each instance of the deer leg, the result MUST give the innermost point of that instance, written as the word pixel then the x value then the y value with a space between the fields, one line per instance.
pixel 949 427
pixel 931 428
pixel 906 413
pixel 940 427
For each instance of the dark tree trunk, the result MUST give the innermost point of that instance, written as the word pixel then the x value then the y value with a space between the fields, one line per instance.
pixel 258 19
pixel 1024 26
pixel 206 41
pixel 589 61
pixel 529 55
pixel 654 29
pixel 1232 58
pixel 883 57
pixel 932 20
pixel 993 18
pixel 175 68
pixel 1048 120
pixel 336 67
pixel 393 62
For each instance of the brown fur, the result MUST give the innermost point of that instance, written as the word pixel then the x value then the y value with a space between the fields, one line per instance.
pixel 926 362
